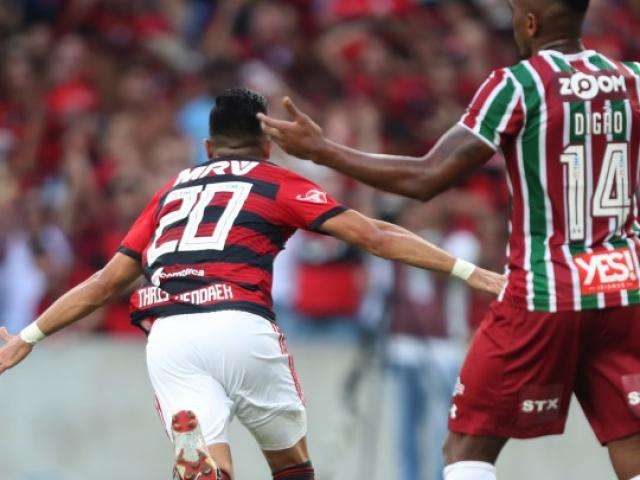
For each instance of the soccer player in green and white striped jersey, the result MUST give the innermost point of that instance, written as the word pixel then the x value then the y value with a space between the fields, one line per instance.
pixel 567 121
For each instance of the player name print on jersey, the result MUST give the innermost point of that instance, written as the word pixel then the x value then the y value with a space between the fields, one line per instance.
pixel 568 126
pixel 224 167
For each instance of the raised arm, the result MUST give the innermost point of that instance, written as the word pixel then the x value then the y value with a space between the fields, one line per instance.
pixel 458 153
pixel 392 242
pixel 74 305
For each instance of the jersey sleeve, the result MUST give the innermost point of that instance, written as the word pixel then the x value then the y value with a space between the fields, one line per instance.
pixel 141 231
pixel 495 113
pixel 304 204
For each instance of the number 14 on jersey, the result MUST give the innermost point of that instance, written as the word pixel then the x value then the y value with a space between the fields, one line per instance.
pixel 611 195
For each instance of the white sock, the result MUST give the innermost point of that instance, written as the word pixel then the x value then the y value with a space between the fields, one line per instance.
pixel 637 477
pixel 470 471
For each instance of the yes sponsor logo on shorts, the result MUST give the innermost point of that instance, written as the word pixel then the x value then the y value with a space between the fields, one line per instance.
pixel 605 271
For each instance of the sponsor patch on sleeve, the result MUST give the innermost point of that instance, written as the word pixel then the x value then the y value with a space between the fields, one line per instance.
pixel 313 196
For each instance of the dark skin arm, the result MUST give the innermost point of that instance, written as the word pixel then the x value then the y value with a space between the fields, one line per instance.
pixel 457 154
pixel 96 291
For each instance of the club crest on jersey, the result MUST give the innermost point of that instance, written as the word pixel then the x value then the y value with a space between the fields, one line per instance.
pixel 605 271
pixel 587 87
pixel 313 196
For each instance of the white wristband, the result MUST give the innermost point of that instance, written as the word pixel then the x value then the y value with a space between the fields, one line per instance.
pixel 32 334
pixel 462 269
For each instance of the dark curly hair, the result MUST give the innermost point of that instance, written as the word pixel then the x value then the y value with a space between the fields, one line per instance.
pixel 578 6
pixel 234 115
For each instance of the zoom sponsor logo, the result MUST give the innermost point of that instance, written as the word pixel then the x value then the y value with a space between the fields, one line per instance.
pixel 588 87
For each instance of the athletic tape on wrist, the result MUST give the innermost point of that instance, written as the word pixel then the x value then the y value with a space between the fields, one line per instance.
pixel 462 269
pixel 32 334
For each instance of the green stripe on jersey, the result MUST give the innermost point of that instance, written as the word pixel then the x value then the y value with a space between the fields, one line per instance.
pixel 531 160
pixel 634 66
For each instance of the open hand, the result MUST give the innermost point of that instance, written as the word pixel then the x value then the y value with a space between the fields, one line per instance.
pixel 300 137
pixel 487 281
pixel 13 351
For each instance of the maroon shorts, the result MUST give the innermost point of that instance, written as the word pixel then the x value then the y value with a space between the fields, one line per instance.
pixel 523 366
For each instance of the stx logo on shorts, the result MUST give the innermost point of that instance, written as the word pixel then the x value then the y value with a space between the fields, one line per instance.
pixel 313 196
pixel 588 87
pixel 606 271
pixel 541 406
pixel 634 399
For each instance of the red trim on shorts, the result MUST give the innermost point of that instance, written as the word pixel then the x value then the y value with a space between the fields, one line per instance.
pixel 156 404
pixel 292 368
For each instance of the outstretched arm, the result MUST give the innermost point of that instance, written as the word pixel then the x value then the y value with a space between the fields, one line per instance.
pixel 74 305
pixel 458 153
pixel 390 241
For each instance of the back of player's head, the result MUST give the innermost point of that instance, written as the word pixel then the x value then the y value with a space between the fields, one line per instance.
pixel 577 6
pixel 233 118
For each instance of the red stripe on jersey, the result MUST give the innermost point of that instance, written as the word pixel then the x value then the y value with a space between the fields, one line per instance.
pixel 554 147
pixel 471 117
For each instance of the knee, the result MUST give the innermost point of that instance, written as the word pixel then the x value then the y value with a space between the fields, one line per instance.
pixel 451 448
pixel 459 448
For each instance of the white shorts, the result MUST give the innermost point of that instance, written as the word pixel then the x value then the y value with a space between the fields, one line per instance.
pixel 226 364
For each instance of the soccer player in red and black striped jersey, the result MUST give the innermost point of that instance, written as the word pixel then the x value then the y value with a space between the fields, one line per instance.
pixel 206 244
pixel 567 121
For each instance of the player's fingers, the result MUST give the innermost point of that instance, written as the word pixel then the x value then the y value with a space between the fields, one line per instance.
pixel 273 133
pixel 292 109
pixel 274 122
pixel 4 334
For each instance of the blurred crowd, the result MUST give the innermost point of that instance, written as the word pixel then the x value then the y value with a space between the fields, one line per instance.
pixel 102 100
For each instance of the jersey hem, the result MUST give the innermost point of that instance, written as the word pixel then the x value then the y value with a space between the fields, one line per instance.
pixel 568 306
pixel 180 309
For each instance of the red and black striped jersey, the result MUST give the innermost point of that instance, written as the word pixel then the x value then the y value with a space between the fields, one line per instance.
pixel 208 239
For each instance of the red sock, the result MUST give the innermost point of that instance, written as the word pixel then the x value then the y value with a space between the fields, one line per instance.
pixel 304 471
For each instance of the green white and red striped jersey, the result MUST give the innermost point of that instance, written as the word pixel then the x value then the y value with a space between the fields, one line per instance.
pixel 569 129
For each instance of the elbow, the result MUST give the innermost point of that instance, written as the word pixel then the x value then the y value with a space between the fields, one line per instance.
pixel 425 186
pixel 379 243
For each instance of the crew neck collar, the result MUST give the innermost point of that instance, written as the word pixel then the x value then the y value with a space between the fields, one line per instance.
pixel 569 56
